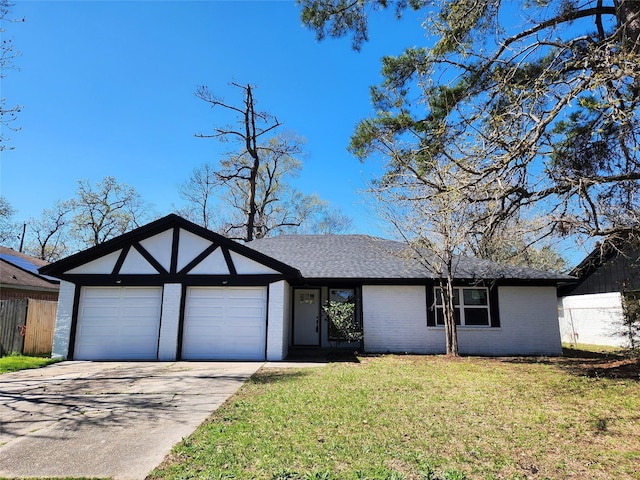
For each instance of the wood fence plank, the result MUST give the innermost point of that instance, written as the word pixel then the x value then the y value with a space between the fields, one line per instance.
pixel 41 321
pixel 13 315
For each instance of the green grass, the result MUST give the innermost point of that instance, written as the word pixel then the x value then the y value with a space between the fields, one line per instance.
pixel 585 349
pixel 13 363
pixel 421 417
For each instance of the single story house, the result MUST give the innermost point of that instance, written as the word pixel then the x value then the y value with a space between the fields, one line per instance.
pixel 19 277
pixel 591 309
pixel 174 290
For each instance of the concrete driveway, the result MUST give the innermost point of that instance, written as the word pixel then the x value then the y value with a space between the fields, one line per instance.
pixel 106 419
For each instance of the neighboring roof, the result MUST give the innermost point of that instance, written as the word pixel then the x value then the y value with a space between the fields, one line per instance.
pixel 365 257
pixel 58 268
pixel 18 270
pixel 603 253
pixel 613 266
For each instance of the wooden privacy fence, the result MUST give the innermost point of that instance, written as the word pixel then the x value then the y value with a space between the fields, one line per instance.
pixel 26 326
pixel 13 313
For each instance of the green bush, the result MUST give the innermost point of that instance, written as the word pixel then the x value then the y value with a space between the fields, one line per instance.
pixel 342 321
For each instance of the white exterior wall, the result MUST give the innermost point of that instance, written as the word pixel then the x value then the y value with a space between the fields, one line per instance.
pixel 593 319
pixel 528 325
pixel 64 316
pixel 395 319
pixel 279 315
pixel 169 322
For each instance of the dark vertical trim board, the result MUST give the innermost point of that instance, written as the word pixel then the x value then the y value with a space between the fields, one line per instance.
pixel 266 321
pixel 431 311
pixel 174 250
pixel 183 301
pixel 159 325
pixel 494 308
pixel 74 322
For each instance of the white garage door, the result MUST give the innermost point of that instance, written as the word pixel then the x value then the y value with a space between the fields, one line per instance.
pixel 118 323
pixel 224 323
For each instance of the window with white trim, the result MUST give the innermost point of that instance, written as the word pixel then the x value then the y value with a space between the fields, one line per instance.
pixel 471 306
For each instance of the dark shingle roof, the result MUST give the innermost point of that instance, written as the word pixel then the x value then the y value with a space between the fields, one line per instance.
pixel 365 257
pixel 20 271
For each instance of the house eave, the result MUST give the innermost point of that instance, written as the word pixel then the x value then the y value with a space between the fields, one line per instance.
pixel 29 288
pixel 318 281
pixel 58 269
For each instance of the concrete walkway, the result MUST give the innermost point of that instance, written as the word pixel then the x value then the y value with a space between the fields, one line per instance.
pixel 107 419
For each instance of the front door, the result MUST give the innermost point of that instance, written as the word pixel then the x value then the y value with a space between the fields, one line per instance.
pixel 306 317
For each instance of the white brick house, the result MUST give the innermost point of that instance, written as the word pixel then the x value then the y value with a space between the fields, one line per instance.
pixel 173 290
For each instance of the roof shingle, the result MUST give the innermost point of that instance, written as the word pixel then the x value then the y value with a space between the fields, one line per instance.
pixel 365 257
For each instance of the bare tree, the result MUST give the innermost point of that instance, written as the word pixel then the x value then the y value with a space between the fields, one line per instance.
pixel 326 220
pixel 50 236
pixel 8 53
pixel 9 229
pixel 279 207
pixel 430 211
pixel 520 241
pixel 105 210
pixel 199 190
pixel 255 181
pixel 251 127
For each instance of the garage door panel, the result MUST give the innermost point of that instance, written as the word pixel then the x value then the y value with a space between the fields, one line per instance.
pixel 240 313
pixel 204 311
pixel 139 312
pixel 118 323
pixel 98 311
pixel 225 323
pixel 97 295
pixel 94 330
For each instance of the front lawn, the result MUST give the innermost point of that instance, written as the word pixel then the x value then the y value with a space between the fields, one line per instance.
pixel 13 363
pixel 425 417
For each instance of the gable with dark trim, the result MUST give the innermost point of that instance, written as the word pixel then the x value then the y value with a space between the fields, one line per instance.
pixel 170 249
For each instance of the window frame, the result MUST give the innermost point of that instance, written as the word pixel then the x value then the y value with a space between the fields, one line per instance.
pixel 353 299
pixel 460 306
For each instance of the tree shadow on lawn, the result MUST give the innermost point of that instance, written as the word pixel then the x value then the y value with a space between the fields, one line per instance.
pixel 324 355
pixel 289 370
pixel 273 375
pixel 584 363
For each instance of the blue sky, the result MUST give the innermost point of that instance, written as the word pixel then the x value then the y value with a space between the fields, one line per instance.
pixel 108 89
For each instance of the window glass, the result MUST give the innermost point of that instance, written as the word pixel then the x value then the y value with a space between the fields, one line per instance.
pixel 440 316
pixel 344 295
pixel 476 316
pixel 307 298
pixel 475 296
pixel 471 306
pixel 456 296
pixel 341 295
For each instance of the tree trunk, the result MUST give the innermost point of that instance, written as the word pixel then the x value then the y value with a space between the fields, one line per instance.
pixel 628 13
pixel 252 149
pixel 448 310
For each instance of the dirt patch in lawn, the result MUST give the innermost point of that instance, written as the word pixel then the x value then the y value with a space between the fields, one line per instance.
pixel 626 368
pixel 591 364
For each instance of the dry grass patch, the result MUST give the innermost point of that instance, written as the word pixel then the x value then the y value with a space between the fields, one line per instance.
pixel 422 417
